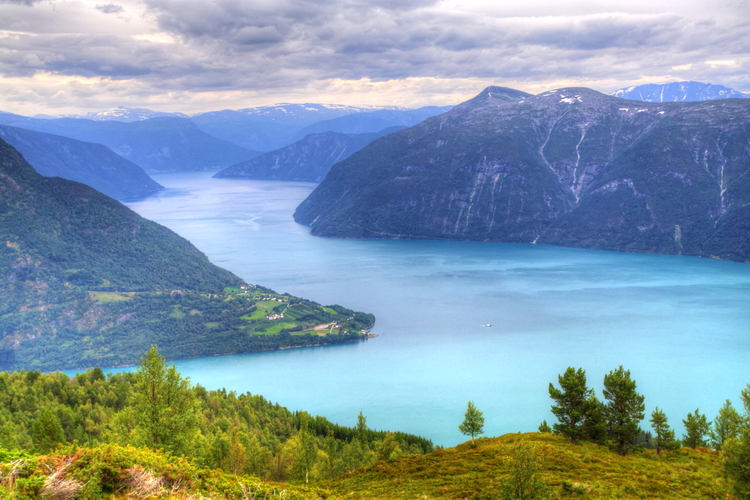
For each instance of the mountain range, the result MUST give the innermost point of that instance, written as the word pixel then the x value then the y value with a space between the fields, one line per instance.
pixel 570 167
pixel 92 164
pixel 166 144
pixel 679 92
pixel 309 159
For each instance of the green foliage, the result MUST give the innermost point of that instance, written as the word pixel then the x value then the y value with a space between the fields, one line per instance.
pixel 163 405
pixel 664 435
pixel 236 433
pixel 473 424
pixel 572 402
pixel 696 429
pixel 624 408
pixel 544 427
pixel 524 480
pixel 736 453
pixel 47 432
pixel 726 425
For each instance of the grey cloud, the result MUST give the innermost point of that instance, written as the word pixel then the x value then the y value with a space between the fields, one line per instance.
pixel 109 8
pixel 286 44
pixel 22 2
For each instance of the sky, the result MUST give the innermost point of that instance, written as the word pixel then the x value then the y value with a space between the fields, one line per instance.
pixel 77 56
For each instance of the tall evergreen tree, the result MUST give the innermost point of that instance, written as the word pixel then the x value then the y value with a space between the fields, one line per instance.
pixel 163 403
pixel 664 435
pixel 624 408
pixel 726 425
pixel 571 403
pixel 696 428
pixel 47 432
pixel 473 424
pixel 737 454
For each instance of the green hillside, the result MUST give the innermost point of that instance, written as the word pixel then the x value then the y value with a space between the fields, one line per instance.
pixel 584 470
pixel 85 281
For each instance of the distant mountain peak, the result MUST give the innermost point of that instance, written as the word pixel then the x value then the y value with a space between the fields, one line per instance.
pixel 123 114
pixel 678 92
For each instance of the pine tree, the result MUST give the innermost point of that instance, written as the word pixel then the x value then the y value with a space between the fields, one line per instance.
pixel 572 403
pixel 737 454
pixel 624 408
pixel 164 405
pixel 726 425
pixel 696 428
pixel 544 427
pixel 47 432
pixel 664 435
pixel 473 424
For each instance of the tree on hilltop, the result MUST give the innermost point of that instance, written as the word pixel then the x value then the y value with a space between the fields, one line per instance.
pixel 624 408
pixel 664 435
pixel 726 425
pixel 473 424
pixel 571 403
pixel 696 428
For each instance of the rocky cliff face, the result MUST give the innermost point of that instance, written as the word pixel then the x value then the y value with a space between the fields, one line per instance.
pixel 569 167
pixel 309 159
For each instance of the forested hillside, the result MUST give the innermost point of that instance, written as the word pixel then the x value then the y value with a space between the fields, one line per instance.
pixel 85 281
pixel 156 408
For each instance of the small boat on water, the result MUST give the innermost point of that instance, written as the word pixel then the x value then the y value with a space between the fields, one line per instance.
pixel 487 325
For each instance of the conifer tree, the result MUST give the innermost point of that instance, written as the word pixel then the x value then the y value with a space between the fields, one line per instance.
pixel 664 435
pixel 163 403
pixel 726 425
pixel 624 408
pixel 47 432
pixel 544 427
pixel 571 403
pixel 473 424
pixel 696 428
pixel 737 453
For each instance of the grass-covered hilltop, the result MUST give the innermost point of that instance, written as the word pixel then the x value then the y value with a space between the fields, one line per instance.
pixel 85 281
pixel 152 434
pixel 569 167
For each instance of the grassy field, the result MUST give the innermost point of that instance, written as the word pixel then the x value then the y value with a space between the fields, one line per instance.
pixel 105 297
pixel 584 470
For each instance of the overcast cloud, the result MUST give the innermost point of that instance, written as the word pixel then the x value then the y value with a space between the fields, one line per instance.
pixel 176 55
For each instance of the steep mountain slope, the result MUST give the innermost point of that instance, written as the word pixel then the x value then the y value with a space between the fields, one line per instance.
pixel 678 92
pixel 569 167
pixel 309 159
pixel 86 281
pixel 268 128
pixel 373 121
pixel 156 144
pixel 92 164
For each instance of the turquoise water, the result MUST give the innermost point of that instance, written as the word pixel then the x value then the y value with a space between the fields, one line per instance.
pixel 680 324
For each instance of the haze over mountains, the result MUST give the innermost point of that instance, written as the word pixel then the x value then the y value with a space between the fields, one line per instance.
pixel 309 159
pixel 679 92
pixel 157 144
pixel 92 164
pixel 570 167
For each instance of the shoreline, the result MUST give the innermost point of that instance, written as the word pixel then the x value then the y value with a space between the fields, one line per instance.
pixel 366 336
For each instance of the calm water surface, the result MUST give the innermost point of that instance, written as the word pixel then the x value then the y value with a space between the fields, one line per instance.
pixel 680 324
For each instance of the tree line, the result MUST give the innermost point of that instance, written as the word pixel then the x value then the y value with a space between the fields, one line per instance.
pixel 155 407
pixel 615 421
